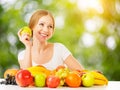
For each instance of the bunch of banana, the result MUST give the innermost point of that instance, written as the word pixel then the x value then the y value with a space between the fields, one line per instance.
pixel 38 69
pixel 99 78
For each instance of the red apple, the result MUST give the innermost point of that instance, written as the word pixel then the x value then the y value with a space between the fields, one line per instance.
pixel 52 81
pixel 24 78
pixel 60 67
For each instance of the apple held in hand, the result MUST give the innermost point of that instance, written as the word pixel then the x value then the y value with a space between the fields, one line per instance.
pixel 24 78
pixel 87 79
pixel 26 30
pixel 52 81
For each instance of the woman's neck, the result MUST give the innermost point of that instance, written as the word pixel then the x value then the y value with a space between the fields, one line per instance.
pixel 39 46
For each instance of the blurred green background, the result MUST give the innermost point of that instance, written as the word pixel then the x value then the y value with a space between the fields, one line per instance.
pixel 90 29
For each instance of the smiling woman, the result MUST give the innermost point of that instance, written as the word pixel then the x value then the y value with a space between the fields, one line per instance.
pixel 40 52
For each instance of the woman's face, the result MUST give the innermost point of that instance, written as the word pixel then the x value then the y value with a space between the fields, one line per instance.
pixel 43 29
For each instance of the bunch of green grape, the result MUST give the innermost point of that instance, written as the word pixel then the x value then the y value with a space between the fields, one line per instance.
pixel 62 74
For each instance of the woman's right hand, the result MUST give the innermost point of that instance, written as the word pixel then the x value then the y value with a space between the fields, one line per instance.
pixel 25 39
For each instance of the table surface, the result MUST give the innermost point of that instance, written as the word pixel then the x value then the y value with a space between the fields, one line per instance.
pixel 112 85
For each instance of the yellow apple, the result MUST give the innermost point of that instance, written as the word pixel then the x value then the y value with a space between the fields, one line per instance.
pixel 26 30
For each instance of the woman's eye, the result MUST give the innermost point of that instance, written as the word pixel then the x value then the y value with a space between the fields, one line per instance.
pixel 41 24
pixel 50 26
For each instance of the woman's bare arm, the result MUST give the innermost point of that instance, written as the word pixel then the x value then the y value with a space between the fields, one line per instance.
pixel 26 62
pixel 73 64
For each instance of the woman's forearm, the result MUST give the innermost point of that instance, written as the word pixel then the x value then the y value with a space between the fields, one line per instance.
pixel 26 62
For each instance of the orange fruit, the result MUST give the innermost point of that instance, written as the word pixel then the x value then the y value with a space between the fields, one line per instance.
pixel 73 80
pixel 11 72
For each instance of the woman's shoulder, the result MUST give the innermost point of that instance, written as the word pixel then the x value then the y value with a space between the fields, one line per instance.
pixel 21 54
pixel 58 44
pixel 22 51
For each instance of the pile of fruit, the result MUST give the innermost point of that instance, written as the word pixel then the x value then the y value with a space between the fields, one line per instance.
pixel 39 76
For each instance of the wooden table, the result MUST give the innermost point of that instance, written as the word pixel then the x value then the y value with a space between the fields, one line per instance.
pixel 112 85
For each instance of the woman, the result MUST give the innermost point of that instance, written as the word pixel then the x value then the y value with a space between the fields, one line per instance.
pixel 40 52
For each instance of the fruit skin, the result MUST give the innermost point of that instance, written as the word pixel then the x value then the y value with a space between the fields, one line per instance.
pixel 11 72
pixel 87 79
pixel 24 78
pixel 73 80
pixel 100 79
pixel 34 70
pixel 62 73
pixel 26 30
pixel 60 67
pixel 40 80
pixel 52 81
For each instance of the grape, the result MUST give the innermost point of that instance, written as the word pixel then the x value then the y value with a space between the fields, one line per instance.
pixel 9 80
pixel 62 81
pixel 62 74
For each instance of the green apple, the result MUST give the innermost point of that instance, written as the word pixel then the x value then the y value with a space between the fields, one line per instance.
pixel 26 30
pixel 40 80
pixel 87 79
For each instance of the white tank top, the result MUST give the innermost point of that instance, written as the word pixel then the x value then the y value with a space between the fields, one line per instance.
pixel 60 53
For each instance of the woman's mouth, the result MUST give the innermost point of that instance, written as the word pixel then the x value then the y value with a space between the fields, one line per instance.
pixel 44 35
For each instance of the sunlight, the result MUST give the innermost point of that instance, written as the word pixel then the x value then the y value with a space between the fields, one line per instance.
pixel 110 42
pixel 117 6
pixel 46 2
pixel 88 40
pixel 11 39
pixel 6 4
pixel 59 21
pixel 93 24
pixel 84 5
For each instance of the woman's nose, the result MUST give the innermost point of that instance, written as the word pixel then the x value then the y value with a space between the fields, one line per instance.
pixel 45 29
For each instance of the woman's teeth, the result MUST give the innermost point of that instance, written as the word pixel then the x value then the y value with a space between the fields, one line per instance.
pixel 43 34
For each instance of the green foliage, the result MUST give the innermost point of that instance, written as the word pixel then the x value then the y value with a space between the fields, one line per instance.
pixel 73 32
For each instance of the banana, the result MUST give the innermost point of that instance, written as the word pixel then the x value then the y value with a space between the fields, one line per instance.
pixel 38 69
pixel 100 82
pixel 99 78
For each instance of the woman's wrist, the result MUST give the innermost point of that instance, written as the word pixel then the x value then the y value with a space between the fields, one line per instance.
pixel 28 47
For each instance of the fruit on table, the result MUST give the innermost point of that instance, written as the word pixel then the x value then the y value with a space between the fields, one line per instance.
pixel 24 78
pixel 62 73
pixel 52 81
pixel 34 70
pixel 73 80
pixel 99 78
pixel 87 79
pixel 40 80
pixel 9 80
pixel 11 72
pixel 60 67
pixel 26 30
